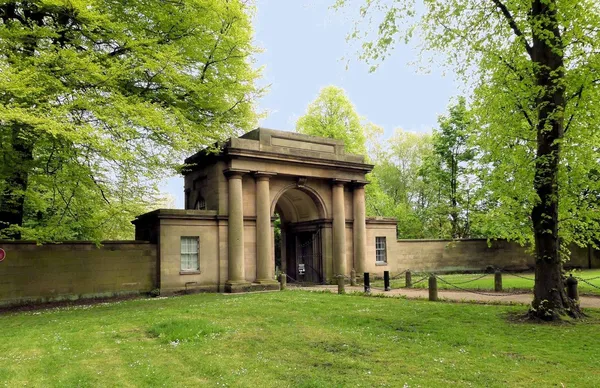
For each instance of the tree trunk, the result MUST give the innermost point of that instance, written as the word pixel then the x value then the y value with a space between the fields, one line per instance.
pixel 453 199
pixel 12 198
pixel 550 299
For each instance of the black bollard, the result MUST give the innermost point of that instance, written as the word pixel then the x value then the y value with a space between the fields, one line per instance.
pixel 408 276
pixel 433 289
pixel 572 288
pixel 367 283
pixel 386 280
pixel 498 281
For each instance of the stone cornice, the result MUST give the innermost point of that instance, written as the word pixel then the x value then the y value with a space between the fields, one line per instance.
pixel 263 174
pixel 235 173
pixel 305 160
pixel 386 221
pixel 184 214
pixel 340 182
pixel 360 183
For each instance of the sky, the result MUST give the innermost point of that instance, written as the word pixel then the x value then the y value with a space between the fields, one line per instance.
pixel 304 43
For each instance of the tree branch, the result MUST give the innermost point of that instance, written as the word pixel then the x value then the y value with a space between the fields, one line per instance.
pixel 511 22
pixel 578 95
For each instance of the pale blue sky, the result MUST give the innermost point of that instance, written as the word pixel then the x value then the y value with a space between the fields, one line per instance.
pixel 304 42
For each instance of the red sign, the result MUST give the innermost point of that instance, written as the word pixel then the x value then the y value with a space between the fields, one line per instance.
pixel 2 254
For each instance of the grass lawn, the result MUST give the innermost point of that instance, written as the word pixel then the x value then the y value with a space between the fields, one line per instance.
pixel 293 338
pixel 510 282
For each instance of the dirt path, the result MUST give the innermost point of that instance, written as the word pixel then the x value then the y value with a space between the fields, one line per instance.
pixel 458 296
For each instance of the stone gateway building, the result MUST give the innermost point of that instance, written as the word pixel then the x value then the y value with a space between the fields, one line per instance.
pixel 235 200
pixel 224 239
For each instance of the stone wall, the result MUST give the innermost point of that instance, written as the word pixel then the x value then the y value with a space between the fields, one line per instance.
pixel 72 270
pixel 457 255
pixel 462 255
pixel 477 254
pixel 33 273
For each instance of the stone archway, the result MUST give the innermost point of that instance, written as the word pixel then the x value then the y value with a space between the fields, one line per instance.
pixel 232 194
pixel 303 215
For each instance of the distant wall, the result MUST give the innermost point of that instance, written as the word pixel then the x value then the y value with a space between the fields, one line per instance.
pixel 73 270
pixel 476 254
pixel 456 255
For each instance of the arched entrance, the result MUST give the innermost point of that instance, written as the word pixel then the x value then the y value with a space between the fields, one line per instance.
pixel 302 216
pixel 315 187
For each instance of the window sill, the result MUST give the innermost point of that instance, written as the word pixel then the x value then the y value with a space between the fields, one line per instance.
pixel 189 272
pixel 381 263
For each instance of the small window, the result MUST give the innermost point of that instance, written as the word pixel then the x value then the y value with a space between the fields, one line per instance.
pixel 380 250
pixel 189 254
pixel 200 204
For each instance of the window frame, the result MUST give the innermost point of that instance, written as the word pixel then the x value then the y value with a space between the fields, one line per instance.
pixel 379 249
pixel 188 271
pixel 200 203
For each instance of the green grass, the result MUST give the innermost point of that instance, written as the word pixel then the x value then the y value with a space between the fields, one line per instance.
pixel 293 338
pixel 510 282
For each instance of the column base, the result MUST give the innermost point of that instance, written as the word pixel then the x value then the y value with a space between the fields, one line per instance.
pixel 239 286
pixel 250 287
pixel 266 281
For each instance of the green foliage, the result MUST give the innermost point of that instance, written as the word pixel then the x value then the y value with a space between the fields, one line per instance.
pixel 100 99
pixel 493 57
pixel 405 192
pixel 427 181
pixel 333 115
pixel 533 66
pixel 449 169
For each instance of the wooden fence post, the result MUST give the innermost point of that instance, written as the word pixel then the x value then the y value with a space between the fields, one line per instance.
pixel 433 288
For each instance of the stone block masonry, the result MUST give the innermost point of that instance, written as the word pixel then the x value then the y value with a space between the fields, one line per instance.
pixel 33 273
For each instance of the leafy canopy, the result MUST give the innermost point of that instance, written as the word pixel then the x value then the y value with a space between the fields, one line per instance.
pixel 489 45
pixel 100 99
pixel 333 115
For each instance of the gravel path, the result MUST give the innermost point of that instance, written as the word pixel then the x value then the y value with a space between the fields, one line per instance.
pixel 458 296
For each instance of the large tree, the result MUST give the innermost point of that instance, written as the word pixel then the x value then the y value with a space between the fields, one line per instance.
pixel 101 98
pixel 450 167
pixel 533 65
pixel 407 193
pixel 333 115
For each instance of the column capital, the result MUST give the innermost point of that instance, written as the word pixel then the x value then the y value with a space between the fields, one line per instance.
pixel 234 173
pixel 359 184
pixel 263 175
pixel 340 182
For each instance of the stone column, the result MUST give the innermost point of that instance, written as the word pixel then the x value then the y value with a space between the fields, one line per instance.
pixel 264 238
pixel 339 229
pixel 236 277
pixel 359 227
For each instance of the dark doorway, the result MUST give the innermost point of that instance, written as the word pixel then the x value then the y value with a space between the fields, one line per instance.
pixel 297 231
pixel 304 260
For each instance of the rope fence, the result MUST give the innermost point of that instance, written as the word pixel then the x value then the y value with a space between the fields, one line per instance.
pixel 586 281
pixel 449 281
pixel 475 291
pixel 495 290
pixel 518 276
pixel 472 280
